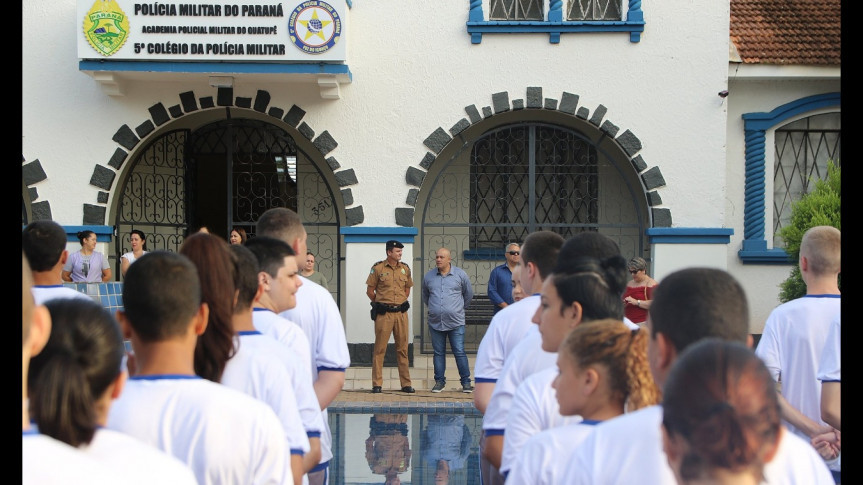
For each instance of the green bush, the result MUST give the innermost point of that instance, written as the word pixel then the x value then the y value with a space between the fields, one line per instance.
pixel 820 207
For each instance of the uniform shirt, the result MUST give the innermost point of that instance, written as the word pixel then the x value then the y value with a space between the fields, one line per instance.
pixel 791 345
pixel 534 409
pixel 256 369
pixel 446 297
pixel 500 286
pixel 137 460
pixel 390 282
pixel 225 436
pixel 507 328
pixel 525 359
pixel 628 449
pixel 47 461
pixel 320 320
pixel 43 293
pixel 830 368
pixel 542 460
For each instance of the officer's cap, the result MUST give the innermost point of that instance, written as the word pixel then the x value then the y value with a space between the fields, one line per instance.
pixel 392 243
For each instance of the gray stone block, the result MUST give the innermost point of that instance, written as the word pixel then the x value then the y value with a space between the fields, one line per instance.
pixel 550 103
pixel 598 114
pixel 325 143
pixel 486 112
pixel 459 127
pixel 347 197
pixel 333 163
pixel 629 142
pixel 294 116
pixel 427 160
pixel 473 113
pixel 517 104
pixel 102 177
pixel 41 211
pixel 500 101
pixel 404 217
pixel 346 177
pixel 94 215
pixel 437 140
pixel 102 197
pixel 159 114
pixel 243 102
pixel 207 102
pixel 653 198
pixel 582 113
pixel 412 197
pixel 414 176
pixel 276 112
pixel 145 129
pixel 176 111
pixel 568 103
pixel 653 178
pixel 262 100
pixel 534 97
pixel 125 137
pixel 187 99
pixel 609 128
pixel 33 172
pixel 306 130
pixel 225 97
pixel 354 216
pixel 661 217
pixel 639 164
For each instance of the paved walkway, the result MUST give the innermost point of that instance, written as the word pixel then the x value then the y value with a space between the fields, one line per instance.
pixel 363 401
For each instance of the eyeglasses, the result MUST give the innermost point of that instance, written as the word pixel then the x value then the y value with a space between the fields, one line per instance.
pixel 514 253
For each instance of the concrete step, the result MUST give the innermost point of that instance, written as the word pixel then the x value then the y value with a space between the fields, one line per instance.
pixel 422 375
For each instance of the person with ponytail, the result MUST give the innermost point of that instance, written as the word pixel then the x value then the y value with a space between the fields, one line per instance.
pixel 602 372
pixel 72 384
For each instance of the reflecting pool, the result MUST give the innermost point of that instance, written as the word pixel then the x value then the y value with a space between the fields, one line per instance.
pixel 418 448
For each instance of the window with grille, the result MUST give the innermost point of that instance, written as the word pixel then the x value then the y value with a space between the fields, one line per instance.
pixel 803 148
pixel 575 10
pixel 527 178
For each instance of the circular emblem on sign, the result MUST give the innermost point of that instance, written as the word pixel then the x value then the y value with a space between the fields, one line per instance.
pixel 314 27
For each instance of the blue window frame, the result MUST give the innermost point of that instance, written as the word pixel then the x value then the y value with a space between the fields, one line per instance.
pixel 755 126
pixel 525 18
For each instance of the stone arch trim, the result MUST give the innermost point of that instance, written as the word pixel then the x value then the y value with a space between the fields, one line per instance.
pixel 128 138
pixel 628 143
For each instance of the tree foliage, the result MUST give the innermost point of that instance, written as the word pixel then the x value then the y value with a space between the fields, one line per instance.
pixel 820 207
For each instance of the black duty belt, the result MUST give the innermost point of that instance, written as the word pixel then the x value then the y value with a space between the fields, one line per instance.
pixel 384 308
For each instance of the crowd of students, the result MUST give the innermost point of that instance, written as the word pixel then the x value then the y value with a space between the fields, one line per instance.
pixel 209 393
pixel 585 396
pixel 235 358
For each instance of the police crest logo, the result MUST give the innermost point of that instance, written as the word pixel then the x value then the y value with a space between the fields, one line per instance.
pixel 106 27
pixel 314 26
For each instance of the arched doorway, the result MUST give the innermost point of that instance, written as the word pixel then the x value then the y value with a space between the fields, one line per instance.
pixel 515 177
pixel 225 174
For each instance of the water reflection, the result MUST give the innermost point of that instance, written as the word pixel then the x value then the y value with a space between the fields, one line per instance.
pixel 417 448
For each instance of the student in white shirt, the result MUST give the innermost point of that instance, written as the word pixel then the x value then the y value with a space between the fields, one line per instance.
pixel 66 465
pixel 601 371
pixel 73 382
pixel 691 304
pixel 44 244
pixel 318 315
pixel 225 436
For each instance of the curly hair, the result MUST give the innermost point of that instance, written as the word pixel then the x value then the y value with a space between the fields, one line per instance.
pixel 622 353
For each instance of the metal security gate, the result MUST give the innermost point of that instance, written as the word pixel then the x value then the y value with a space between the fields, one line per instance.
pixel 518 179
pixel 225 175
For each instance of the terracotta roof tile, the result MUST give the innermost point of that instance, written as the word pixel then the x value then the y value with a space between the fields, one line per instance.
pixel 787 32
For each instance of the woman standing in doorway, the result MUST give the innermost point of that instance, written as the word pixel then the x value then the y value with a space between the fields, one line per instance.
pixel 139 248
pixel 87 265
pixel 639 292
pixel 238 236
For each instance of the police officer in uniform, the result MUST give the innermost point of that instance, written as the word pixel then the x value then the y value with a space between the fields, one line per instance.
pixel 389 287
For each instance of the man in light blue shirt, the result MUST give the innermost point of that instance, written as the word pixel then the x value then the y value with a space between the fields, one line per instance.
pixel 500 279
pixel 447 291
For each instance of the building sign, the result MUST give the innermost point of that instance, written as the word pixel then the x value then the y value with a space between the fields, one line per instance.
pixel 290 31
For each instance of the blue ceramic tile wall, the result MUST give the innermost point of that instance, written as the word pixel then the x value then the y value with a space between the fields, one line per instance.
pixel 109 295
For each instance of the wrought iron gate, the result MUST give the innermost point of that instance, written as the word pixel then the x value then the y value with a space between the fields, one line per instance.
pixel 519 179
pixel 225 175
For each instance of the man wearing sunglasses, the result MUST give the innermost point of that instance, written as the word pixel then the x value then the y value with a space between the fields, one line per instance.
pixel 500 279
